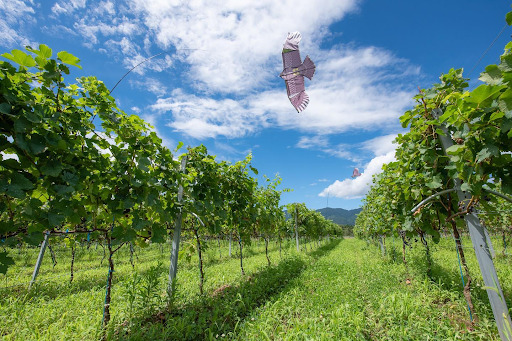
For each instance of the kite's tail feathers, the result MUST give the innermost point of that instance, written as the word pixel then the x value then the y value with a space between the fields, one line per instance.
pixel 301 101
pixel 308 68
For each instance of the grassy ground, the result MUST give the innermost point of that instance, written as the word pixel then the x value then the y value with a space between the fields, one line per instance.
pixel 342 290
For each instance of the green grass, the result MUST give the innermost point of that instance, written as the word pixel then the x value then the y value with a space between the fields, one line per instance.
pixel 343 290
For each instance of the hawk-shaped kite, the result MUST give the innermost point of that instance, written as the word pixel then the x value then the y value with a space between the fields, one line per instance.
pixel 294 71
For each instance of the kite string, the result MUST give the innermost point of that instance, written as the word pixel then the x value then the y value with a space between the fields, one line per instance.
pixel 142 62
pixel 148 59
pixel 487 50
pixel 126 74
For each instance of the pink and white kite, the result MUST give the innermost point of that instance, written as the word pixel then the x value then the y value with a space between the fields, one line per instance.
pixel 356 173
pixel 294 71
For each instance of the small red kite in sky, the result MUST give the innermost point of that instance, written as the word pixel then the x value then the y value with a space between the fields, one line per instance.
pixel 356 173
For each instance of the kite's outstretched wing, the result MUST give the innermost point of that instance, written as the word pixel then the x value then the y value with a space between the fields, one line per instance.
pixel 294 71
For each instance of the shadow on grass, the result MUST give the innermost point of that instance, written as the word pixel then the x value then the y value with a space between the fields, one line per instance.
pixel 59 286
pixel 223 310
pixel 218 313
pixel 325 249
pixel 451 281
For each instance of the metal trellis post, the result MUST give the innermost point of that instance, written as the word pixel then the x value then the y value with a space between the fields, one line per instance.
pixel 382 247
pixel 173 268
pixel 489 243
pixel 297 227
pixel 39 259
pixel 478 233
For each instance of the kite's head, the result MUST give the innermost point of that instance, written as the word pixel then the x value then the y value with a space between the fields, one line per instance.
pixel 292 41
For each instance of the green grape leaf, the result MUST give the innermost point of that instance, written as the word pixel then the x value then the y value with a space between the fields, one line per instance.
pixel 21 125
pixel 505 103
pixel 506 125
pixel 506 64
pixel 37 143
pixel 32 116
pixel 5 261
pixel 454 149
pixel 465 187
pixel 143 163
pixel 52 168
pixel 492 75
pixel 486 152
pixel 496 115
pixel 21 181
pixel 68 58
pixel 508 18
pixel 12 164
pixel 20 58
pixel 45 51
pixel 484 94
pixel 55 218
pixel 15 191
pixel 63 189
pixel 5 108
pixel 436 183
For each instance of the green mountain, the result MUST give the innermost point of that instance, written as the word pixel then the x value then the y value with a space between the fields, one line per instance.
pixel 339 215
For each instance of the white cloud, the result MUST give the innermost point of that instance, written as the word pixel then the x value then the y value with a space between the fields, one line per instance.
pixel 67 7
pixel 16 15
pixel 202 117
pixel 13 10
pixel 105 7
pixel 150 84
pixel 240 41
pixel 358 187
pixel 237 60
pixel 380 145
pixel 92 29
pixel 349 92
pixel 306 142
pixel 352 89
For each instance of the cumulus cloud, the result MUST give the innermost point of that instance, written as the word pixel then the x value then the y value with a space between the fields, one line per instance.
pixel 152 85
pixel 202 117
pixel 383 149
pixel 237 39
pixel 227 55
pixel 67 7
pixel 16 15
pixel 92 29
pixel 380 145
pixel 230 75
pixel 358 187
pixel 307 142
pixel 350 91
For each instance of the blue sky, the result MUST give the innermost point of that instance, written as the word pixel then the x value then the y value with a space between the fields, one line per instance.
pixel 217 84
